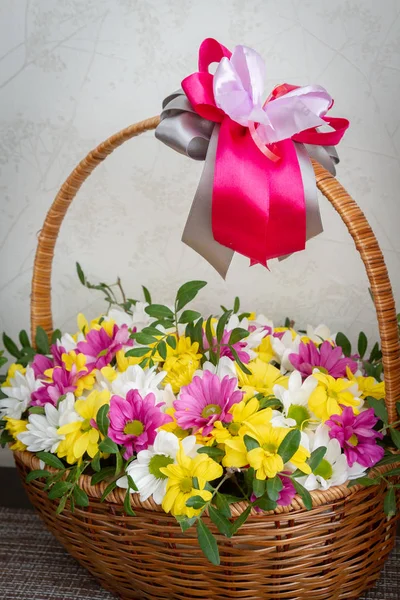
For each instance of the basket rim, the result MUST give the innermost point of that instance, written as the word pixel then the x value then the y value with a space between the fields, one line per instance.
pixel 320 498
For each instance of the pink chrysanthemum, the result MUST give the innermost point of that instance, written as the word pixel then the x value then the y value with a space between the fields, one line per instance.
pixel 99 348
pixel 224 348
pixel 206 400
pixel 357 436
pixel 327 358
pixel 42 363
pixel 134 421
pixel 63 382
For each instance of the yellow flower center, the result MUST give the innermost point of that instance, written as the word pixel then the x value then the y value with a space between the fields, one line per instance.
pixel 353 440
pixel 134 428
pixel 211 409
pixel 324 469
pixel 86 425
pixel 186 485
pixel 299 414
pixel 234 428
pixel 269 448
pixel 157 462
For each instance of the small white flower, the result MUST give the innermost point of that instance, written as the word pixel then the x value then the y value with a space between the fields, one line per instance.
pixel 283 348
pixel 253 340
pixel 333 468
pixel 41 433
pixel 295 400
pixel 320 333
pixel 69 343
pixel 140 318
pixel 145 469
pixel 18 394
pixel 143 380
pixel 225 366
pixel 120 317
pixel 262 321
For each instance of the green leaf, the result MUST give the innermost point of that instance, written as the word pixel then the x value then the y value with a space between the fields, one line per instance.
pixel 42 341
pixel 212 452
pixel 289 445
pixel 220 521
pixel 274 486
pixel 287 322
pixel 362 344
pixel 159 311
pixel 389 504
pixel 259 487
pixel 238 334
pixel 393 472
pixel 131 483
pixel 316 456
pixel 151 330
pixel 265 503
pixel 144 339
pixel 37 474
pixel 222 504
pixel 137 352
pixel 171 341
pixel 250 443
pixel 365 481
pixel 162 349
pixel 236 525
pixel 50 460
pixel 11 347
pixel 127 504
pixel 102 419
pixel 185 522
pixel 188 316
pixel 95 464
pixel 61 505
pixel 239 362
pixel 55 336
pixel 236 305
pixel 146 294
pixel 222 321
pixel 376 353
pixel 207 543
pixel 267 402
pixel 108 490
pixel 24 339
pixel 343 342
pixel 303 493
pixel 196 502
pixel 187 292
pixel 36 410
pixel 81 275
pixel 103 474
pixel 209 333
pixel 389 459
pixel 395 435
pixel 379 408
pixel 398 408
pixel 80 497
pixel 231 499
pixel 119 463
pixel 59 489
pixel 108 446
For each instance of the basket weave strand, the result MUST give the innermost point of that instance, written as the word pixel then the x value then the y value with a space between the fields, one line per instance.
pixel 332 552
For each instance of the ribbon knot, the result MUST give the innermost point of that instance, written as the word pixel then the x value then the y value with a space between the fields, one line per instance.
pixel 257 194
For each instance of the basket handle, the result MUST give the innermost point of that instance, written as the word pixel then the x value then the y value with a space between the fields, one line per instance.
pixel 350 213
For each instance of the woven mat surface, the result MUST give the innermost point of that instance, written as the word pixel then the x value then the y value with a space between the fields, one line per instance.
pixel 34 566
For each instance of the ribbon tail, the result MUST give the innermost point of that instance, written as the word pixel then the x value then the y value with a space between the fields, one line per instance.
pixel 198 229
pixel 325 155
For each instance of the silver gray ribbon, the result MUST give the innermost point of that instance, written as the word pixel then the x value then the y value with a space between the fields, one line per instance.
pixel 182 129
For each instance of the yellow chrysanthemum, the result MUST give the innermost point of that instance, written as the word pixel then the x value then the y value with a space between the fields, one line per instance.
pixel 71 360
pixel 123 362
pixel 181 364
pixel 14 427
pixel 368 386
pixel 264 350
pixel 12 369
pixel 244 414
pixel 81 436
pixel 83 324
pixel 173 426
pixel 180 482
pixel 262 379
pixel 330 395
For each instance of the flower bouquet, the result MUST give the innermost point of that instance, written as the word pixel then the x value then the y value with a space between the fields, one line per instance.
pixel 197 413
pixel 272 447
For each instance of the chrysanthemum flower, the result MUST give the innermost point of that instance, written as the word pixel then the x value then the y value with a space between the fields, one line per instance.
pixel 14 428
pixel 327 358
pixel 12 370
pixel 295 399
pixel 134 421
pixel 205 401
pixel 102 344
pixel 262 379
pixel 181 363
pixel 82 436
pixel 331 395
pixel 286 494
pixel 283 345
pixel 181 486
pixel 21 386
pixel 61 382
pixel 368 386
pixel 243 415
pixel 145 469
pixel 357 436
pixel 265 351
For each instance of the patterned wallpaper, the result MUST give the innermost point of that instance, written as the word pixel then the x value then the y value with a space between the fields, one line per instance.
pixel 72 72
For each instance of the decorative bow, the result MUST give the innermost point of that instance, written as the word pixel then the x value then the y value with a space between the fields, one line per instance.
pixel 257 193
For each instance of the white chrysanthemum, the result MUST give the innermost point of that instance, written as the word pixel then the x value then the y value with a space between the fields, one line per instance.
pixel 295 400
pixel 42 430
pixel 69 343
pixel 320 333
pixel 225 366
pixel 254 338
pixel 333 468
pixel 140 318
pixel 283 347
pixel 262 321
pixel 18 394
pixel 120 317
pixel 143 380
pixel 145 469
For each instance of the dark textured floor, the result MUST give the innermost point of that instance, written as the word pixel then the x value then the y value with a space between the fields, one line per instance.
pixel 34 566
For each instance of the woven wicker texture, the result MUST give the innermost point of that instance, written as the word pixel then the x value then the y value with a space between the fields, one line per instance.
pixel 334 551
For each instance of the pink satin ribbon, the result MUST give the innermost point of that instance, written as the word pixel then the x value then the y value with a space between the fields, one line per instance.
pixel 258 204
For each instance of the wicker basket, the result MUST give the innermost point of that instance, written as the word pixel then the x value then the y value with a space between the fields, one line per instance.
pixel 336 550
